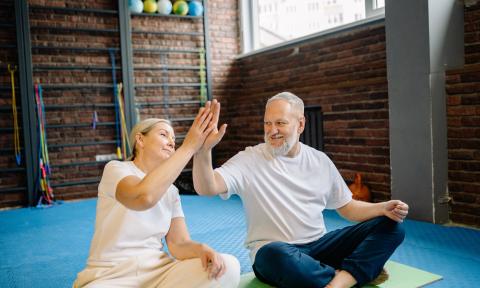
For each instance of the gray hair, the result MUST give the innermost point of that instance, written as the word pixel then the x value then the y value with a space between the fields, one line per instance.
pixel 143 127
pixel 292 99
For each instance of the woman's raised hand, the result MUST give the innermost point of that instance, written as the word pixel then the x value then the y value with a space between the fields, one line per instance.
pixel 200 129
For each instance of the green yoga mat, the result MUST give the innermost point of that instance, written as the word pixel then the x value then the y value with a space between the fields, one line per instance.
pixel 401 276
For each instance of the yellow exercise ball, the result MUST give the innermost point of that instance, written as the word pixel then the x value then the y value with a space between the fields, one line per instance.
pixel 150 6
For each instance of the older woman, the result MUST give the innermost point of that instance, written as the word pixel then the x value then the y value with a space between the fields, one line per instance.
pixel 138 206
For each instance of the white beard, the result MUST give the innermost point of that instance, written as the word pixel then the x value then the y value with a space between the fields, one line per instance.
pixel 283 149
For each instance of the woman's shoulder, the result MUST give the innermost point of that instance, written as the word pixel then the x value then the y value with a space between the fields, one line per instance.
pixel 115 168
pixel 173 190
pixel 116 164
pixel 172 195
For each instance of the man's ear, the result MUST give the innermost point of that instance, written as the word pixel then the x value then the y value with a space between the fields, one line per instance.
pixel 301 125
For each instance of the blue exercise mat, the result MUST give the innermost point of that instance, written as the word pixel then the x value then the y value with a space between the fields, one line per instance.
pixel 48 247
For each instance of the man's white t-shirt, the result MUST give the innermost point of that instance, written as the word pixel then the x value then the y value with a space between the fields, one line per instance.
pixel 121 233
pixel 284 197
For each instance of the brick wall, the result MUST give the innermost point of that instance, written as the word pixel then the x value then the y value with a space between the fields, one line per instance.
pixel 345 73
pixel 73 148
pixel 69 108
pixel 463 90
pixel 156 68
pixel 225 46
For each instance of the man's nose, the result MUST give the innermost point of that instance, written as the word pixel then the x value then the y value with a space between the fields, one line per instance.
pixel 273 130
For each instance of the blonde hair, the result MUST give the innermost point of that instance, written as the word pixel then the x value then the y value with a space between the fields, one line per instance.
pixel 143 127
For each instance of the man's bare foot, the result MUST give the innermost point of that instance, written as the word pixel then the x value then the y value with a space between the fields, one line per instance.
pixel 342 279
pixel 382 277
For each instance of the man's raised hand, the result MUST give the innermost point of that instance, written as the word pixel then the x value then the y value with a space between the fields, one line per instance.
pixel 216 134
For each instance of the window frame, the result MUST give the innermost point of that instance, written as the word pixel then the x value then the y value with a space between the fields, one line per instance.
pixel 249 35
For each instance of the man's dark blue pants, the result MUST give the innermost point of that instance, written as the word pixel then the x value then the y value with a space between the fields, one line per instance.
pixel 361 249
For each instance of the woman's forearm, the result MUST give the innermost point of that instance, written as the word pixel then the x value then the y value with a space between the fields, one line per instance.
pixel 157 181
pixel 186 250
pixel 142 194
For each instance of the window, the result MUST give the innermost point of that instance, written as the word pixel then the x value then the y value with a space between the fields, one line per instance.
pixel 291 19
pixel 377 4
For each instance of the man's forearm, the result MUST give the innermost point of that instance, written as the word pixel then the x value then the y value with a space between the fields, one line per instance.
pixel 361 211
pixel 203 175
pixel 368 211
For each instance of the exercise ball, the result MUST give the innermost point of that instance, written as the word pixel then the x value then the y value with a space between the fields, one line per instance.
pixel 150 6
pixel 135 6
pixel 195 8
pixel 164 7
pixel 180 8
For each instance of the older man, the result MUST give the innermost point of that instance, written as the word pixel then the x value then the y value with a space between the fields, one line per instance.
pixel 285 185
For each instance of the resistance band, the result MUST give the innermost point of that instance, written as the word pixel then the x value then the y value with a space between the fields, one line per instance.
pixel 44 162
pixel 16 133
pixel 117 116
pixel 165 89
pixel 94 119
pixel 124 131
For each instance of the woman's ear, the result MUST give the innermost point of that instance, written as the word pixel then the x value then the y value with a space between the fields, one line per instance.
pixel 139 140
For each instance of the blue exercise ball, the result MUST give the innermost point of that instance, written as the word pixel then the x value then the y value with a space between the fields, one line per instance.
pixel 136 6
pixel 195 8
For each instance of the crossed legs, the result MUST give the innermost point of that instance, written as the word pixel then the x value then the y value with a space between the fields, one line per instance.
pixel 359 251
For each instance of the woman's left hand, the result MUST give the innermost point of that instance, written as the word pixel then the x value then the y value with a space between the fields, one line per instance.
pixel 212 262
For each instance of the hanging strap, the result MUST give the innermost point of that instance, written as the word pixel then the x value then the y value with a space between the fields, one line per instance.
pixel 94 119
pixel 203 78
pixel 117 119
pixel 16 132
pixel 125 140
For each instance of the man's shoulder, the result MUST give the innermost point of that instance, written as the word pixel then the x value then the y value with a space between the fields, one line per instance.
pixel 318 157
pixel 259 148
pixel 252 150
pixel 250 153
pixel 308 150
